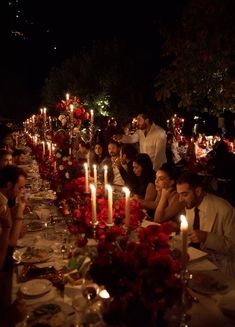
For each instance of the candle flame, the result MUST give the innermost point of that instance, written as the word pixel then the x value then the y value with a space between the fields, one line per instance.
pixel 184 223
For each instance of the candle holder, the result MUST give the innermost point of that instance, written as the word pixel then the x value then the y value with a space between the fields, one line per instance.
pixel 186 302
pixel 94 228
pixel 109 224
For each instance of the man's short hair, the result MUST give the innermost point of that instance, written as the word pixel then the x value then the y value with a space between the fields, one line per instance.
pixel 11 174
pixel 146 116
pixel 129 150
pixel 190 178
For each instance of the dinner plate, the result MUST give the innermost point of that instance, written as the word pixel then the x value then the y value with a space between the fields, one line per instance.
pixel 54 314
pixel 34 226
pixel 32 254
pixel 36 287
pixel 207 282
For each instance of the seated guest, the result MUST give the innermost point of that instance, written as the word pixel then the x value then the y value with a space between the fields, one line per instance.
pixel 85 152
pixel 5 158
pixel 8 143
pixel 113 163
pixel 143 169
pixel 19 157
pixel 12 183
pixel 211 221
pixel 127 153
pixel 168 206
pixel 99 154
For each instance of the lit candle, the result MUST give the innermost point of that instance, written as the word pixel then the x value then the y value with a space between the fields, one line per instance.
pixel 44 115
pixel 127 206
pixel 92 116
pixel 110 204
pixel 43 148
pixel 93 203
pixel 95 174
pixel 33 120
pixel 86 177
pixel 67 96
pixel 71 114
pixel 184 232
pixel 105 176
pixel 55 166
pixel 41 111
pixel 49 148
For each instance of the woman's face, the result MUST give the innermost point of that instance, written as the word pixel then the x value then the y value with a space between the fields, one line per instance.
pixel 162 180
pixel 137 169
pixel 98 149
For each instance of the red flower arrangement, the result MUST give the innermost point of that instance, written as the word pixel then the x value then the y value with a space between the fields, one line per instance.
pixel 141 277
pixel 76 206
pixel 79 113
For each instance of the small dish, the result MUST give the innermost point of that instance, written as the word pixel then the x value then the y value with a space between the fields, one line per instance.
pixel 36 287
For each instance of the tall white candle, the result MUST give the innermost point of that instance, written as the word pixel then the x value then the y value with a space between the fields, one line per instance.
pixel 93 203
pixel 92 116
pixel 71 114
pixel 184 233
pixel 110 204
pixel 44 115
pixel 49 148
pixel 127 206
pixel 95 175
pixel 43 148
pixel 86 177
pixel 105 176
pixel 67 96
pixel 55 166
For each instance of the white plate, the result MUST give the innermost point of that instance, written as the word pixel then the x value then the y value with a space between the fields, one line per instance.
pixel 36 287
pixel 208 282
pixel 36 254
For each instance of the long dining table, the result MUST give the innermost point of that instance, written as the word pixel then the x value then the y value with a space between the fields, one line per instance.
pixel 47 231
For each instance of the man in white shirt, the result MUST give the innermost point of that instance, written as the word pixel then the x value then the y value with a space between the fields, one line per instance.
pixel 151 138
pixel 215 230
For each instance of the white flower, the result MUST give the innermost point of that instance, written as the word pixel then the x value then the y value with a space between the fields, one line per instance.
pixel 70 163
pixel 61 167
pixel 64 158
pixel 58 154
pixel 67 175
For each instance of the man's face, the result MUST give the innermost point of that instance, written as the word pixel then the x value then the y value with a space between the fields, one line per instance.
pixel 113 150
pixel 141 122
pixel 17 189
pixel 189 195
pixel 7 160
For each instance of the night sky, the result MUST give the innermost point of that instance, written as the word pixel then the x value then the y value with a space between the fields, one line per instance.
pixel 40 34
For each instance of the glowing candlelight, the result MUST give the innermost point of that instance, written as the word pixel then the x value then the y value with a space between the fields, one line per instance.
pixel 86 177
pixel 92 116
pixel 43 148
pixel 105 176
pixel 127 206
pixel 104 294
pixel 71 114
pixel 110 204
pixel 49 148
pixel 95 174
pixel 93 203
pixel 44 115
pixel 67 96
pixel 184 232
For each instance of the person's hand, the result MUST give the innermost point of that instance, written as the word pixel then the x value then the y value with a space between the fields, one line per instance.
pixel 197 236
pixel 166 192
pixel 117 137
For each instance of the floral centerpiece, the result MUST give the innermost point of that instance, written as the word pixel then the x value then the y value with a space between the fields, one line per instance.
pixel 77 117
pixel 141 277
pixel 76 207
